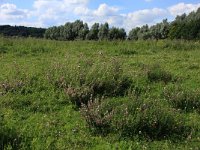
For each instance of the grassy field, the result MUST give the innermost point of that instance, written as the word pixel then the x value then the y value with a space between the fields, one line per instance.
pixel 99 95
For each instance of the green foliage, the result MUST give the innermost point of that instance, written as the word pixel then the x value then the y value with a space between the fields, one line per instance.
pixel 118 107
pixel 79 31
pixel 153 120
pixel 93 33
pixel 21 31
pixel 3 49
pixel 158 31
pixel 183 27
pixel 92 80
pixel 186 26
pixel 128 52
pixel 133 34
pixel 98 119
pixel 8 137
pixel 180 45
pixel 144 33
pixel 103 32
pixel 117 34
pixel 134 117
pixel 156 73
pixel 184 99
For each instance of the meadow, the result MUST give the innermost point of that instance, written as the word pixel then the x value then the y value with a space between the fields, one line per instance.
pixel 99 94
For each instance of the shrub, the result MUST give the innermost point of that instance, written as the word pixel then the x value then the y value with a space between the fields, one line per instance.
pixel 108 88
pixel 156 74
pixel 149 119
pixel 131 117
pixel 79 96
pixel 91 80
pixel 187 100
pixel 98 119
pixel 115 87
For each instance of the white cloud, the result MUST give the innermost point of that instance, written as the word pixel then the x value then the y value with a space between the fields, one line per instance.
pixel 56 11
pixel 82 11
pixel 105 10
pixel 181 8
pixel 104 13
pixel 10 14
pixel 142 17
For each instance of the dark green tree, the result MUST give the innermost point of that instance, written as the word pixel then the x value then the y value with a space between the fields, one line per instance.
pixel 83 32
pixel 93 33
pixel 117 34
pixel 133 34
pixel 103 31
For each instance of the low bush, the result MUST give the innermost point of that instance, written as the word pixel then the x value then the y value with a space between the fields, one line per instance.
pixel 79 96
pixel 180 98
pixel 99 88
pixel 156 74
pixel 99 120
pixel 131 117
pixel 153 121
pixel 86 80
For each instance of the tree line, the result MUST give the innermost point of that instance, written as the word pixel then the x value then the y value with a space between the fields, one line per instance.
pixel 183 27
pixel 21 31
pixel 80 31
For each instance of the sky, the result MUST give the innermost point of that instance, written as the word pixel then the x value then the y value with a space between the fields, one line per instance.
pixel 127 14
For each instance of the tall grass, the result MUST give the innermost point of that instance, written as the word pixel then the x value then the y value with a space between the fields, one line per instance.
pixel 99 94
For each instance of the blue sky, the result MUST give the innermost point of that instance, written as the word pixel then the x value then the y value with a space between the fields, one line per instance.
pixel 121 13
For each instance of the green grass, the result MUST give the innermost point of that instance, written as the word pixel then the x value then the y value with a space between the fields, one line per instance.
pixel 99 95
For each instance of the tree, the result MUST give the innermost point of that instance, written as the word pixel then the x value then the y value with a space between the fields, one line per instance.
pixel 77 26
pixel 133 34
pixel 83 32
pixel 117 34
pixel 144 33
pixel 22 31
pixel 186 26
pixel 47 34
pixel 67 33
pixel 160 30
pixel 93 33
pixel 103 31
pixel 53 33
pixel 165 25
